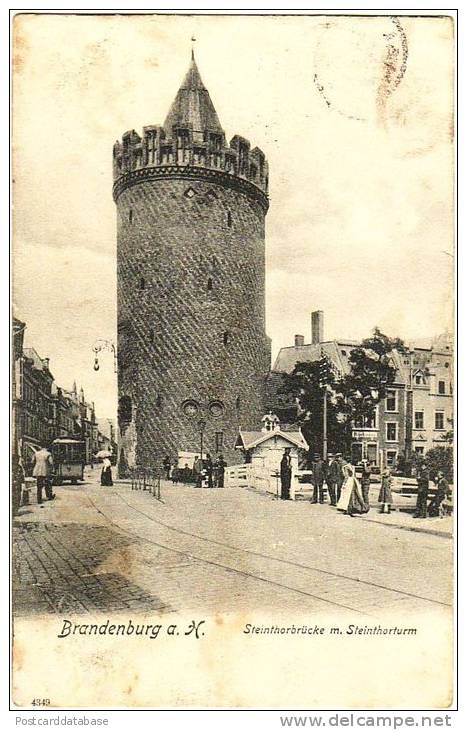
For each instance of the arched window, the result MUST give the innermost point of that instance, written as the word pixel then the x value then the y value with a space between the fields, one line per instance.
pixel 209 284
pixel 151 336
pixel 237 403
pixel 229 219
pixel 225 338
pixel 159 401
pixel 142 283
pixel 130 215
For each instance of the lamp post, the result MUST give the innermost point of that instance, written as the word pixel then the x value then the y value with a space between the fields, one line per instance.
pixel 201 426
pixel 102 345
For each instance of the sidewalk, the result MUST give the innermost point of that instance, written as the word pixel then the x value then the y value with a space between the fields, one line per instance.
pixel 405 521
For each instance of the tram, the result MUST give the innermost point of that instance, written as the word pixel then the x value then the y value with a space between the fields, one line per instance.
pixel 69 457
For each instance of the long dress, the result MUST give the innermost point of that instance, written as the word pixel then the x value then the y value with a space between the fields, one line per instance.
pixel 106 474
pixel 351 500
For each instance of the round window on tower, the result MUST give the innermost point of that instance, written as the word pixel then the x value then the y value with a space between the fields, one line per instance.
pixel 216 408
pixel 190 408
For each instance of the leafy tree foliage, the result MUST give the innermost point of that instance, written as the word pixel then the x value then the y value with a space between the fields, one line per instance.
pixel 440 458
pixel 350 398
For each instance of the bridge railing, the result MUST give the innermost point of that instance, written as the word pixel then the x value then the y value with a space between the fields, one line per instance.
pixel 146 480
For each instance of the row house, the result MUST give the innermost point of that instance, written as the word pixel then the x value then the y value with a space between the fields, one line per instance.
pixel 42 411
pixel 416 413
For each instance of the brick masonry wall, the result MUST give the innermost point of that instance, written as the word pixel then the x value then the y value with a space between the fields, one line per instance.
pixel 175 235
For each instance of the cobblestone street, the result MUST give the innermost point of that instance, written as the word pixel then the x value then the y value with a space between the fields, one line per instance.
pixel 100 549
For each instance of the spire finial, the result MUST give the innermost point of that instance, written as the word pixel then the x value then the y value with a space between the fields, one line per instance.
pixel 193 40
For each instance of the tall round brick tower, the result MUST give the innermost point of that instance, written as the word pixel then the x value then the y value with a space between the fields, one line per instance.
pixel 192 349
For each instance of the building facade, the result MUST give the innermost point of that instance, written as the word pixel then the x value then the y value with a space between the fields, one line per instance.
pixel 416 414
pixel 43 411
pixel 192 349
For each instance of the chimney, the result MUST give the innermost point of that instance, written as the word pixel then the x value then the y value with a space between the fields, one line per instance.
pixel 317 327
pixel 299 340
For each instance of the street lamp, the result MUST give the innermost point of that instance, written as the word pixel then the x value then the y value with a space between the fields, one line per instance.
pixel 201 426
pixel 101 345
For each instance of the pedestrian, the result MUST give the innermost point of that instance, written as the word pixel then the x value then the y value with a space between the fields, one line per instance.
pixel 42 463
pixel 341 462
pixel 220 471
pixel 435 508
pixel 174 473
pixel 208 469
pixel 198 471
pixel 366 481
pixel 318 469
pixel 385 493
pixel 423 479
pixel 17 481
pixel 186 473
pixel 286 474
pixel 351 498
pixel 106 473
pixel 166 463
pixel 332 477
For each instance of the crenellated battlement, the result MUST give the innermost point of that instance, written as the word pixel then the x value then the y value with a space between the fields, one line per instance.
pixel 185 150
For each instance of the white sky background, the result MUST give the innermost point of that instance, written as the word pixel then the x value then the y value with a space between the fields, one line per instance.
pixel 360 222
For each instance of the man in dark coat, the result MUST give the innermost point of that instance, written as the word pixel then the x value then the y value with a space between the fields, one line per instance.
pixel 319 472
pixel 366 481
pixel 198 471
pixel 166 463
pixel 434 508
pixel 286 474
pixel 219 471
pixel 332 477
pixel 423 480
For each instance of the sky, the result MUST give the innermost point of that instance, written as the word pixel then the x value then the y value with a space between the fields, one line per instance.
pixel 353 114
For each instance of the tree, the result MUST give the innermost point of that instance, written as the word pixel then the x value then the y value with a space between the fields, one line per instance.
pixel 440 458
pixel 306 386
pixel 351 397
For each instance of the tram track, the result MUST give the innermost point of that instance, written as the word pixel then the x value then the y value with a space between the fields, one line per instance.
pixel 258 555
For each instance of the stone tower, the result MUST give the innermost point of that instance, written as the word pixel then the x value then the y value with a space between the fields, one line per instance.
pixel 192 349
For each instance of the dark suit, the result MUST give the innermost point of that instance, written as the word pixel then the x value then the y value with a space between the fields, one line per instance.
pixel 332 478
pixel 286 476
pixel 319 474
pixel 422 494
pixel 366 481
pixel 438 499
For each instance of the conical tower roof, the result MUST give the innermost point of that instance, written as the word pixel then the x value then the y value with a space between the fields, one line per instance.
pixel 192 107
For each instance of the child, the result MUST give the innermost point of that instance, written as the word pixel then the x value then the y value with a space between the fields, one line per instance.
pixel 385 494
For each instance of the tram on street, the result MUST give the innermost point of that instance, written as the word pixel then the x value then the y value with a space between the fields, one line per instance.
pixel 69 456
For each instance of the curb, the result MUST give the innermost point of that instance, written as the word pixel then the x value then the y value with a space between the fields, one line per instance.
pixel 424 530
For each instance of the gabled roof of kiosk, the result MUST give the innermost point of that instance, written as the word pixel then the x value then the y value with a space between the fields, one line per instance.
pixel 192 107
pixel 250 439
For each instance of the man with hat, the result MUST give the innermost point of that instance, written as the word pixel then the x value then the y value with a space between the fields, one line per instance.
pixel 423 480
pixel 366 480
pixel 334 478
pixel 319 472
pixel 435 508
pixel 286 474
